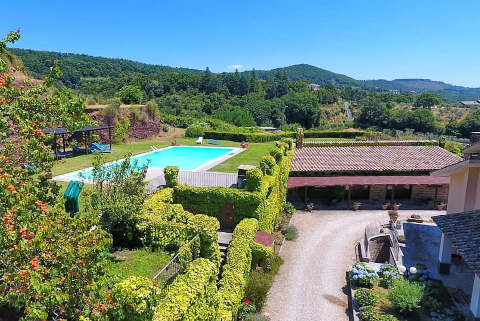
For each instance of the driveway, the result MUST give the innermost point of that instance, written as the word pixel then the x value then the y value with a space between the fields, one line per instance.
pixel 310 284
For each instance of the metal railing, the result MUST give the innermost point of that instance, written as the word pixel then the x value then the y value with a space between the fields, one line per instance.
pixel 165 276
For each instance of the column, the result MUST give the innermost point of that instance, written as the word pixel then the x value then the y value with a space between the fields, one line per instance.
pixel 475 301
pixel 445 255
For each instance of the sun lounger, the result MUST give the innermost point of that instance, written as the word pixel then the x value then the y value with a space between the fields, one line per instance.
pixel 95 147
pixel 213 142
pixel 61 154
pixel 199 140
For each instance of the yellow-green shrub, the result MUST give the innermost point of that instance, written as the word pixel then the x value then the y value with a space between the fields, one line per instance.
pixel 268 163
pixel 260 254
pixel 134 299
pixel 164 195
pixel 191 296
pixel 254 180
pixel 171 175
pixel 189 251
pixel 237 268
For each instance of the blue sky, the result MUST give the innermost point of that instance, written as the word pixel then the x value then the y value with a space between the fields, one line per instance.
pixel 364 39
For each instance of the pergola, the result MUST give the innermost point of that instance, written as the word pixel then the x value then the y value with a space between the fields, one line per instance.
pixel 84 131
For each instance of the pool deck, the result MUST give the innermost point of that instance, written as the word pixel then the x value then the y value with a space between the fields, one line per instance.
pixel 156 177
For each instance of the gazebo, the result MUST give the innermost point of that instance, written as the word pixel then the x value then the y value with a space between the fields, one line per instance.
pixel 84 131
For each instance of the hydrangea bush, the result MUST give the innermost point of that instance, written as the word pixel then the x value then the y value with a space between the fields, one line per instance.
pixel 363 275
pixel 388 273
pixel 366 297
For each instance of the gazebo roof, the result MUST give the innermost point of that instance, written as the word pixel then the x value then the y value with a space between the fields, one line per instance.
pixel 61 130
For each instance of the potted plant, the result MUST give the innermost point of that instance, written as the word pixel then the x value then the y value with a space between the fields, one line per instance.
pixel 356 205
pixel 393 215
pixel 396 206
pixel 309 207
pixel 440 206
pixel 385 205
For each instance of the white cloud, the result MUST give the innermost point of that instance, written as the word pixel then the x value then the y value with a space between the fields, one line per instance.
pixel 237 66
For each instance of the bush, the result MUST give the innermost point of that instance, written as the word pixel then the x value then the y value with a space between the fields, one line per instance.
pixel 277 153
pixel 268 164
pixel 171 175
pixel 254 180
pixel 191 296
pixel 288 141
pixel 368 313
pixel 290 233
pixel 134 298
pixel 388 274
pixel 288 208
pixel 241 136
pixel 260 282
pixel 366 297
pixel 118 196
pixel 195 130
pixel 406 296
pixel 111 111
pixel 363 275
pixel 152 109
pixel 237 268
pixel 121 129
pixel 130 94
pixel 256 317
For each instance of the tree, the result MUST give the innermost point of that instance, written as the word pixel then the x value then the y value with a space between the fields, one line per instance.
pixel 374 113
pixel 253 82
pixel 470 124
pixel 51 264
pixel 302 108
pixel 280 84
pixel 427 100
pixel 235 115
pixel 130 94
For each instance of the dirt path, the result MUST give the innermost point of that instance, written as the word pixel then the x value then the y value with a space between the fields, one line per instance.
pixel 310 284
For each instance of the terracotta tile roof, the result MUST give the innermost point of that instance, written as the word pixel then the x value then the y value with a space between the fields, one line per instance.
pixel 463 230
pixel 371 159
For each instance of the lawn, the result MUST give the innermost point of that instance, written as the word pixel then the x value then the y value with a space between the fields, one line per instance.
pixel 142 262
pixel 251 156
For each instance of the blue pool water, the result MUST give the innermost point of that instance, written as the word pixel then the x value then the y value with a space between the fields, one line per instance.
pixel 185 157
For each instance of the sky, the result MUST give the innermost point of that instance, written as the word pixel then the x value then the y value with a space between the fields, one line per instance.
pixel 364 39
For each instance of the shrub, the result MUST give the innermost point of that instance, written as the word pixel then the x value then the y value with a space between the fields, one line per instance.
pixel 191 296
pixel 406 296
pixel 289 141
pixel 237 268
pixel 268 164
pixel 171 175
pixel 254 180
pixel 363 275
pixel 262 255
pixel 246 309
pixel 152 109
pixel 368 313
pixel 118 196
pixel 164 195
pixel 388 273
pixel 111 111
pixel 366 297
pixel 277 153
pixel 288 208
pixel 256 317
pixel 195 130
pixel 290 233
pixel 260 282
pixel 134 298
pixel 121 129
pixel 130 94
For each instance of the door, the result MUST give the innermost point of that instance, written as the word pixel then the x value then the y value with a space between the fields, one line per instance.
pixel 227 219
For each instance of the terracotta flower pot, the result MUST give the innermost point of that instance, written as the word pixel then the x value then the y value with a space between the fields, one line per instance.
pixel 356 207
pixel 396 207
pixel 384 207
pixel 440 207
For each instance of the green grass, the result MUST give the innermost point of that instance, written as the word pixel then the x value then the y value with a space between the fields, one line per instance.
pixel 251 156
pixel 141 262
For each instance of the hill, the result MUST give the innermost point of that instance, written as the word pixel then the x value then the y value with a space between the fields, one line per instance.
pixel 78 66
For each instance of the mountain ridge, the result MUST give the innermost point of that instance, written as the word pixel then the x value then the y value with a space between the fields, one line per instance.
pixel 37 63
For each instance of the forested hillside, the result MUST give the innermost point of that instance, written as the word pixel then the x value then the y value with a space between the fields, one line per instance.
pixel 280 97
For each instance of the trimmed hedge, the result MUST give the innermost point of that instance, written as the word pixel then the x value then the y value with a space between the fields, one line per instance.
pixel 192 296
pixel 260 254
pixel 244 136
pixel 169 226
pixel 371 143
pixel 263 202
pixel 268 164
pixel 189 251
pixel 164 195
pixel 171 175
pixel 236 270
pixel 134 298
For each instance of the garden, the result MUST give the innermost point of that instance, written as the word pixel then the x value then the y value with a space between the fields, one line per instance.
pixel 381 293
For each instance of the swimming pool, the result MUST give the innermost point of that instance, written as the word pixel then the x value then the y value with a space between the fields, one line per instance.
pixel 192 158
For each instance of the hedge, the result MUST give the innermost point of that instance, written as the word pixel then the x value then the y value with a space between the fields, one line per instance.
pixel 169 226
pixel 134 298
pixel 191 296
pixel 236 270
pixel 262 202
pixel 171 175
pixel 189 251
pixel 244 136
pixel 260 254
pixel 267 164
pixel 371 143
pixel 332 134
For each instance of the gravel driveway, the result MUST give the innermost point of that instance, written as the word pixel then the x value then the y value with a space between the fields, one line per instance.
pixel 310 284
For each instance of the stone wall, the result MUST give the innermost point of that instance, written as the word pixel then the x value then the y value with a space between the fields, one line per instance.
pixel 426 192
pixel 379 249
